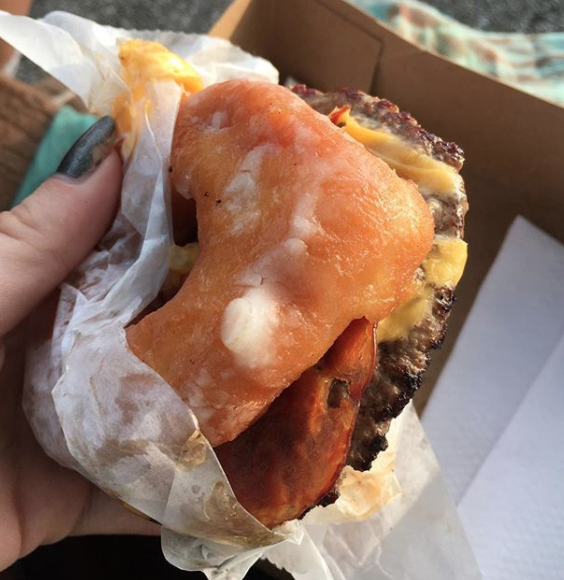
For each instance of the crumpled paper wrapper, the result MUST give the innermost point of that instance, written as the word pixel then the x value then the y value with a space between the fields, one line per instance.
pixel 96 408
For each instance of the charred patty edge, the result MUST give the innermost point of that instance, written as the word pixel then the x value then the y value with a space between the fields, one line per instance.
pixel 387 115
pixel 402 362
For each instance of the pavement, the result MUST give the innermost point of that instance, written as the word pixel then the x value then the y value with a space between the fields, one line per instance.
pixel 506 15
pixel 181 15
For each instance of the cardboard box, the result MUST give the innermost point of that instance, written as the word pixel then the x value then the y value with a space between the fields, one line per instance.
pixel 513 141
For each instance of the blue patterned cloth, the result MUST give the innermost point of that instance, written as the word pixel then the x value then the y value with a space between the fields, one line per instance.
pixel 532 62
pixel 67 126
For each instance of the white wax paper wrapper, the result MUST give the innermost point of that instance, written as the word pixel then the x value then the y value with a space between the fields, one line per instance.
pixel 97 409
pixel 416 536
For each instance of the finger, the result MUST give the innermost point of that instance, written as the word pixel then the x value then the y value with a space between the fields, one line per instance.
pixel 106 515
pixel 44 238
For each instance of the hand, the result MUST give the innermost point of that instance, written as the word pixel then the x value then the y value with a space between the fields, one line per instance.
pixel 41 241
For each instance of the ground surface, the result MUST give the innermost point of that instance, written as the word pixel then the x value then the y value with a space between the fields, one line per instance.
pixel 199 15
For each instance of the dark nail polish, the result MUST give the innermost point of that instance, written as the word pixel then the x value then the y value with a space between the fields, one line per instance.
pixel 90 150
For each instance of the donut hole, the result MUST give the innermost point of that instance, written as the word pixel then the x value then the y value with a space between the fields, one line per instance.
pixel 182 253
pixel 184 220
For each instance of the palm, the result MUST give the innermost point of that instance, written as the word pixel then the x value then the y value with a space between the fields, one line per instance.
pixel 40 501
pixel 41 241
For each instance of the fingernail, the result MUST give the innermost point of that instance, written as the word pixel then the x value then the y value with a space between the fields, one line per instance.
pixel 90 150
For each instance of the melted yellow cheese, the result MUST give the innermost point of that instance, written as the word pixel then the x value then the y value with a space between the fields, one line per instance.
pixel 409 313
pixel 408 163
pixel 181 260
pixel 142 62
pixel 445 263
pixel 443 267
pixel 446 260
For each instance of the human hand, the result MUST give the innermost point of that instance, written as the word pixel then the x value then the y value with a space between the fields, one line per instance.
pixel 41 241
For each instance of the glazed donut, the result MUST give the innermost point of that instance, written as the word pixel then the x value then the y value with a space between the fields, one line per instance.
pixel 301 231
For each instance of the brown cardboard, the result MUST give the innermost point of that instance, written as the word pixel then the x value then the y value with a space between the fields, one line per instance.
pixel 25 115
pixel 20 7
pixel 513 141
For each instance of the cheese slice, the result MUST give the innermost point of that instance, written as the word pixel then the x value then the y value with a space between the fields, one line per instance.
pixel 443 266
pixel 142 62
pixel 407 315
pixel 181 260
pixel 428 173
pixel 445 263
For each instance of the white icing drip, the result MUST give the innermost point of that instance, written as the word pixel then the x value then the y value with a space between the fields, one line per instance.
pixel 250 278
pixel 303 138
pixel 294 247
pixel 303 223
pixel 204 378
pixel 267 268
pixel 241 195
pixel 218 120
pixel 248 326
pixel 249 322
pixel 183 188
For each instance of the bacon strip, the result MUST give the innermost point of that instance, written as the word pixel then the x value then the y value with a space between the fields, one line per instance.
pixel 291 457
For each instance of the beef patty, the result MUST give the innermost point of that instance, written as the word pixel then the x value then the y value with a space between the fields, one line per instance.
pixel 402 360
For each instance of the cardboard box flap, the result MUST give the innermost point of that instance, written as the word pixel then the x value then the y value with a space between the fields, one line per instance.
pixel 509 137
pixel 323 49
pixel 512 140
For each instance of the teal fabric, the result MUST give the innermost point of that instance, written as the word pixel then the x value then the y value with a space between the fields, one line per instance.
pixel 66 128
pixel 533 63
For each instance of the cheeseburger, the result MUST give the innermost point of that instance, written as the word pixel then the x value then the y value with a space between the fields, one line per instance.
pixel 318 245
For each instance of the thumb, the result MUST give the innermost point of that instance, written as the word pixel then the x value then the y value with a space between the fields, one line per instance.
pixel 44 238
